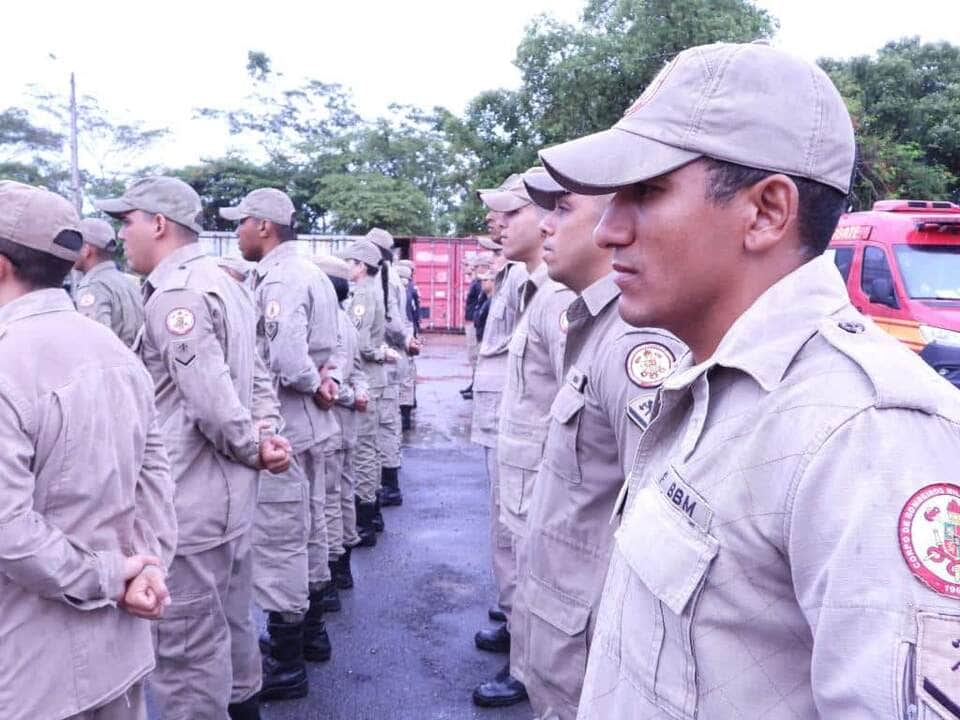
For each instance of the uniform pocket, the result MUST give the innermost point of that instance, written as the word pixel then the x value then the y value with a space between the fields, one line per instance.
pixel 282 509
pixel 519 460
pixel 557 647
pixel 561 446
pixel 516 350
pixel 191 631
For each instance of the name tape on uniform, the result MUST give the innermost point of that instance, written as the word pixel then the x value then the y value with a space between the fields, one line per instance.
pixel 685 499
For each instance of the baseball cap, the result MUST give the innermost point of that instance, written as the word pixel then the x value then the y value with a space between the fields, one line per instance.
pixel 333 266
pixel 263 204
pixel 543 189
pixel 380 238
pixel 510 196
pixel 40 220
pixel 749 104
pixel 159 195
pixel 485 242
pixel 408 263
pixel 363 251
pixel 98 233
pixel 404 272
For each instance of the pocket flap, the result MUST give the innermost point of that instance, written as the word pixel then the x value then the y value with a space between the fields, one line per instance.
pixel 519 452
pixel 557 609
pixel 667 552
pixel 566 404
pixel 279 488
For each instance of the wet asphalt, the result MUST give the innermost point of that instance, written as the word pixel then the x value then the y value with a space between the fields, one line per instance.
pixel 403 642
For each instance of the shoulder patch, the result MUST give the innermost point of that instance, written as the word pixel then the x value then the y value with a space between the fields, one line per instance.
pixel 640 411
pixel 86 299
pixel 929 535
pixel 272 310
pixel 359 310
pixel 938 662
pixel 649 364
pixel 180 321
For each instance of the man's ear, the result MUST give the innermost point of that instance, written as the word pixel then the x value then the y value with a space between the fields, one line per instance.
pixel 7 269
pixel 159 223
pixel 263 228
pixel 773 206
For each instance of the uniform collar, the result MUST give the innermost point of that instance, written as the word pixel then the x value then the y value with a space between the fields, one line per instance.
pixel 37 302
pixel 280 252
pixel 539 276
pixel 764 341
pixel 173 262
pixel 603 292
pixel 101 267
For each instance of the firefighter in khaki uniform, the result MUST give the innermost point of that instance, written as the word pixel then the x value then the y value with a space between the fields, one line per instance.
pixel 104 293
pixel 366 311
pixel 87 524
pixel 487 387
pixel 611 372
pixel 296 334
pixel 781 549
pixel 352 399
pixel 534 369
pixel 199 345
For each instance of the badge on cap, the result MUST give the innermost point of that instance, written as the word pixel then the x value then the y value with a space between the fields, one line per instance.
pixel 86 300
pixel 929 534
pixel 649 364
pixel 180 321
pixel 272 310
pixel 564 322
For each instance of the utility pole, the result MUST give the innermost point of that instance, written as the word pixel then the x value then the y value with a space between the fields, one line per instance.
pixel 74 155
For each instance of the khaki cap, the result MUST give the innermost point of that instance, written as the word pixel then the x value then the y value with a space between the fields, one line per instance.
pixel 484 241
pixel 486 275
pixel 543 189
pixel 407 263
pixel 237 264
pixel 404 272
pixel 363 251
pixel 510 196
pixel 40 220
pixel 98 233
pixel 333 266
pixel 380 238
pixel 159 195
pixel 749 104
pixel 264 204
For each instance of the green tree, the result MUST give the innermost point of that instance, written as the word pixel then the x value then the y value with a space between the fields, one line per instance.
pixel 29 152
pixel 359 201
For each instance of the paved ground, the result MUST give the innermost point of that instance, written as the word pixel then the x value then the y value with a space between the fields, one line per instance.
pixel 403 643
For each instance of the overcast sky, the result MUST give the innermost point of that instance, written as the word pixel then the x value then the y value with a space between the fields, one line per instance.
pixel 158 61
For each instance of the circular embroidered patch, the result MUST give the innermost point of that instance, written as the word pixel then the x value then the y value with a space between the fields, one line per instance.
pixel 564 322
pixel 272 310
pixel 359 310
pixel 649 364
pixel 86 300
pixel 180 321
pixel 929 534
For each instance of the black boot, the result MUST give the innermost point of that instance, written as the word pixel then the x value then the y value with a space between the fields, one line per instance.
pixel 502 691
pixel 406 417
pixel 328 597
pixel 284 671
pixel 365 512
pixel 496 640
pixel 467 392
pixel 377 520
pixel 497 615
pixel 342 575
pixel 247 710
pixel 316 641
pixel 390 492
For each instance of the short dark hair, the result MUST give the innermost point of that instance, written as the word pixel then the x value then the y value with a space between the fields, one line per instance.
pixel 371 270
pixel 286 233
pixel 104 254
pixel 820 205
pixel 341 287
pixel 36 269
pixel 386 254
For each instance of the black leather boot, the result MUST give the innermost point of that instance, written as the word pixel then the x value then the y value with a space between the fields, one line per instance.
pixel 316 641
pixel 406 417
pixel 502 691
pixel 328 597
pixel 377 519
pixel 284 671
pixel 342 575
pixel 365 512
pixel 497 615
pixel 390 492
pixel 247 710
pixel 496 640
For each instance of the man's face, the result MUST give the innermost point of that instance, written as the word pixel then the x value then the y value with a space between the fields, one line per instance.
pixel 676 254
pixel 248 239
pixel 521 236
pixel 569 252
pixel 137 235
pixel 494 222
pixel 358 271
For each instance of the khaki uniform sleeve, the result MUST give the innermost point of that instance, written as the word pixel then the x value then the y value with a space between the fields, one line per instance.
pixel 95 301
pixel 343 363
pixel 286 323
pixel 362 315
pixel 181 324
pixel 34 553
pixel 396 331
pixel 266 404
pixel 326 340
pixel 155 523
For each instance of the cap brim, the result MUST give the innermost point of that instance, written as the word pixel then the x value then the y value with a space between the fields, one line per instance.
pixel 610 160
pixel 504 202
pixel 488 243
pixel 231 213
pixel 114 207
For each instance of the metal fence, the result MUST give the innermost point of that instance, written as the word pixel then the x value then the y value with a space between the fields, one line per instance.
pixel 224 244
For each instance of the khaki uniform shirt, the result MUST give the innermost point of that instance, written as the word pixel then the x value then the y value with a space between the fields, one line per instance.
pixel 84 481
pixel 534 369
pixel 111 298
pixel 757 571
pixel 491 370
pixel 365 308
pixel 297 335
pixel 399 330
pixel 354 379
pixel 199 344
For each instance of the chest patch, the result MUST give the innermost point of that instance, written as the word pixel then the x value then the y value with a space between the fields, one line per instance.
pixel 272 310
pixel 564 322
pixel 86 300
pixel 180 321
pixel 649 364
pixel 929 536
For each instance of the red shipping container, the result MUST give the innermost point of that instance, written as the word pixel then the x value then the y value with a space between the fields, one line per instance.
pixel 439 276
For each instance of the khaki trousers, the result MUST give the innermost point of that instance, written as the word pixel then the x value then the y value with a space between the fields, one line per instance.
pixel 391 433
pixel 207 651
pixel 408 385
pixel 332 505
pixel 367 454
pixel 473 345
pixel 280 534
pixel 348 489
pixel 318 572
pixel 501 541
pixel 132 705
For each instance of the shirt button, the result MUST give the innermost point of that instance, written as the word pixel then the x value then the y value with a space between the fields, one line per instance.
pixel 852 327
